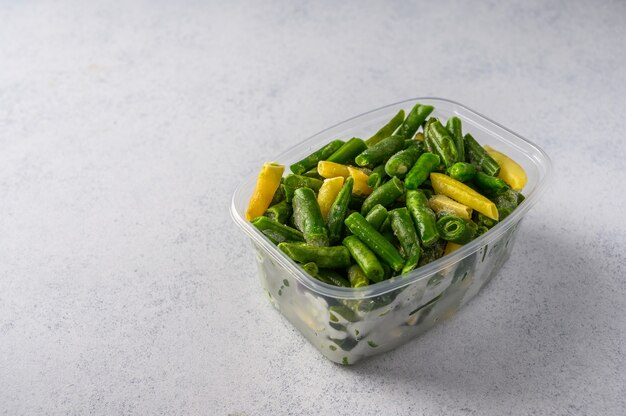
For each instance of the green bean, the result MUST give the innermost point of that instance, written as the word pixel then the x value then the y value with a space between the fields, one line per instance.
pixel 442 142
pixel 331 257
pixel 478 156
pixel 377 216
pixel 338 211
pixel 364 258
pixel 380 152
pixel 288 192
pixel 399 164
pixel 279 212
pixel 276 231
pixel 480 230
pixel 377 177
pixel 279 195
pixel 299 181
pixel 387 130
pixel 403 228
pixel 432 253
pixel 332 278
pixel 383 195
pixel 456 131
pixel 484 220
pixel 374 240
pixel 506 203
pixel 424 217
pixel 346 153
pixel 313 173
pixel 490 185
pixel 456 229
pixel 414 119
pixel 415 143
pixel 357 276
pixel 462 171
pixel 308 217
pixel 311 160
pixel 420 171
pixel 311 268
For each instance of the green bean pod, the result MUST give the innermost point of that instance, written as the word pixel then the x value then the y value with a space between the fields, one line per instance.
pixel 478 156
pixel 403 228
pixel 276 231
pixel 332 277
pixel 384 195
pixel 432 253
pixel 506 203
pixel 424 217
pixel 380 152
pixel 462 171
pixel 311 160
pixel 330 257
pixel 364 258
pixel 456 229
pixel 377 177
pixel 399 164
pixel 490 185
pixel 279 195
pixel 442 142
pixel 374 240
pixel 311 268
pixel 279 212
pixel 299 181
pixel 483 220
pixel 357 276
pixel 377 216
pixel 308 217
pixel 387 130
pixel 454 127
pixel 414 119
pixel 346 153
pixel 338 211
pixel 426 163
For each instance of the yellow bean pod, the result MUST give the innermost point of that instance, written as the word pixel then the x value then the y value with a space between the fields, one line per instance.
pixel 360 186
pixel 441 203
pixel 328 193
pixel 445 185
pixel 510 171
pixel 266 185
pixel 451 247
pixel 328 169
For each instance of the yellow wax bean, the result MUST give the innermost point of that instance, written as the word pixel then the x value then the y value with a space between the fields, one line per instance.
pixel 450 247
pixel 360 186
pixel 328 169
pixel 441 203
pixel 327 194
pixel 510 171
pixel 266 185
pixel 445 185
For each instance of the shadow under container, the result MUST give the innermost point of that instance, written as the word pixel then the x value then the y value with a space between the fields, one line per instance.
pixel 346 324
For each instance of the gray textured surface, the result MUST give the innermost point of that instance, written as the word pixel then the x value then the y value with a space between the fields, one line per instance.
pixel 125 288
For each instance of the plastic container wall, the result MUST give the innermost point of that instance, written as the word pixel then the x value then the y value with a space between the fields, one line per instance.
pixel 347 325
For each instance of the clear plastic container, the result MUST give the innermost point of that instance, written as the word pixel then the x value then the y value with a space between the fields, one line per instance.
pixel 347 325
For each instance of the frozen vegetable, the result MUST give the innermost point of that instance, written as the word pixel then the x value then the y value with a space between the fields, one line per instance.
pixel 354 213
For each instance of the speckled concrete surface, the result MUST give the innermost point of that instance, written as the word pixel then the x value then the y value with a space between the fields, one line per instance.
pixel 125 288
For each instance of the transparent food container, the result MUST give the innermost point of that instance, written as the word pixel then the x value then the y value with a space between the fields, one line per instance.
pixel 346 324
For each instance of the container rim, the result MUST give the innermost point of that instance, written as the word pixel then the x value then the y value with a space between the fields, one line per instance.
pixel 540 158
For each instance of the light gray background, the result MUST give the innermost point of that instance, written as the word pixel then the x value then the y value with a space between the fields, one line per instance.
pixel 125 288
